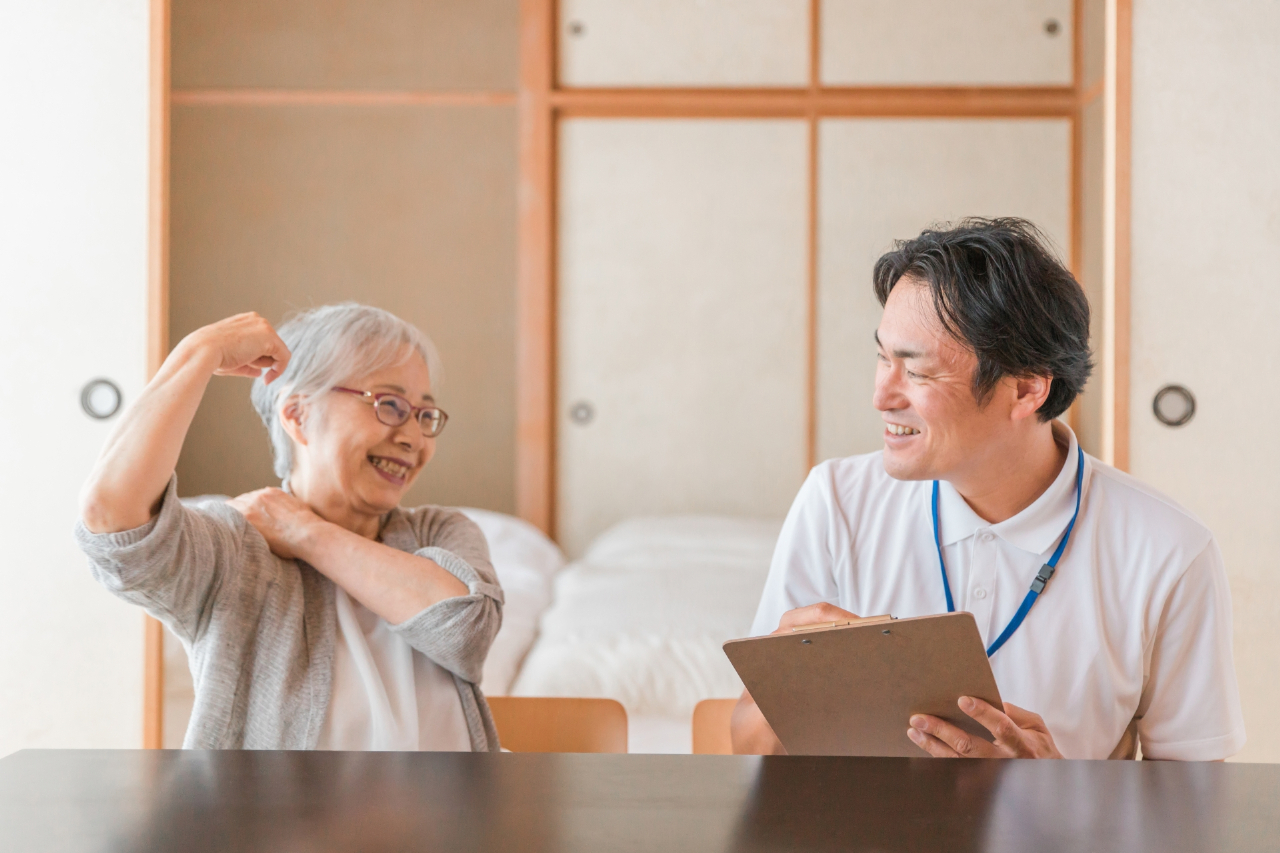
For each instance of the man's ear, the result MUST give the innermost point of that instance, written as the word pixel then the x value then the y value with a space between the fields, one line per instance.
pixel 292 417
pixel 1030 394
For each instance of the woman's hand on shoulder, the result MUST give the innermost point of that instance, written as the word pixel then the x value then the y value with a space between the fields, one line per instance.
pixel 243 345
pixel 283 520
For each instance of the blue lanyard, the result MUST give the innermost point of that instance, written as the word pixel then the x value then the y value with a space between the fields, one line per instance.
pixel 1037 585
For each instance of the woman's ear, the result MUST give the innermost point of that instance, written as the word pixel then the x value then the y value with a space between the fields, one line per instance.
pixel 292 417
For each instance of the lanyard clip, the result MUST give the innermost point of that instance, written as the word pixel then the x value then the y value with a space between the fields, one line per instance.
pixel 1046 572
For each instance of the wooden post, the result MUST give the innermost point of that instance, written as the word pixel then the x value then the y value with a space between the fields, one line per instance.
pixel 1116 248
pixel 157 320
pixel 535 269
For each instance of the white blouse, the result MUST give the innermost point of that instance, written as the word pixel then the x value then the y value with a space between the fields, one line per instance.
pixel 386 696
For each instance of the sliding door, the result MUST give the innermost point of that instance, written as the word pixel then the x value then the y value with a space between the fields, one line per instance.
pixel 1205 302
pixel 73 268
pixel 682 319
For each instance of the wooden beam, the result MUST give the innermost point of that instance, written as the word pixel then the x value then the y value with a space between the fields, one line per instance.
pixel 535 269
pixel 1117 235
pixel 338 97
pixel 1014 101
pixel 1011 101
pixel 157 318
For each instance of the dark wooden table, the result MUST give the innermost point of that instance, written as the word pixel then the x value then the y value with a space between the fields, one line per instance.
pixel 295 801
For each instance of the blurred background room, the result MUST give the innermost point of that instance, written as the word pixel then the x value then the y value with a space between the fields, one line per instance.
pixel 641 234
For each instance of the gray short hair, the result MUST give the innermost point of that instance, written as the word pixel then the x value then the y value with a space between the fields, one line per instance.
pixel 330 345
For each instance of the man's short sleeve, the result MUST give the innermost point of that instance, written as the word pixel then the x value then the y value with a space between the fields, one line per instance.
pixel 1190 707
pixel 802 571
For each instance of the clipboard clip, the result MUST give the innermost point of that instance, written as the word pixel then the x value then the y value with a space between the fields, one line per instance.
pixel 843 623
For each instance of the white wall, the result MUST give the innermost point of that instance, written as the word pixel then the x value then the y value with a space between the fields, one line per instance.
pixel 73 230
pixel 1206 299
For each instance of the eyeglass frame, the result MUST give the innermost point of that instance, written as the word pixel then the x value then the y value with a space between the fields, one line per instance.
pixel 414 411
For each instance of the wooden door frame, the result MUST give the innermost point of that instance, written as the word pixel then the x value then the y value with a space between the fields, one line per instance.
pixel 1117 247
pixel 544 102
pixel 157 315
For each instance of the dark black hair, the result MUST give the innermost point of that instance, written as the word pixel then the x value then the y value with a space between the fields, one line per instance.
pixel 1002 293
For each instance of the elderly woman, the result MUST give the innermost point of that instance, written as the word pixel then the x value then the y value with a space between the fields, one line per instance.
pixel 319 615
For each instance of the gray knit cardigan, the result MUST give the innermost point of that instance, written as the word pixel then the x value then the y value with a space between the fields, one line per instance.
pixel 259 630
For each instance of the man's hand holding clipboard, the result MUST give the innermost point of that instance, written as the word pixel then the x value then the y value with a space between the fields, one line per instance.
pixel 831 692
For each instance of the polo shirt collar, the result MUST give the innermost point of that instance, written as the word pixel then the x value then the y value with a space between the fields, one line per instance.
pixel 1038 527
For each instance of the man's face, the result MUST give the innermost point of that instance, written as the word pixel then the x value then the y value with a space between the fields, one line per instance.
pixel 924 391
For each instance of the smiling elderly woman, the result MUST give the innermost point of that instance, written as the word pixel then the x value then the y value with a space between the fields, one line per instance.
pixel 320 615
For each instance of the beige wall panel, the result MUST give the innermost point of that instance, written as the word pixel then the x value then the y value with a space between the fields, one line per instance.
pixel 944 42
pixel 362 44
pixel 1206 299
pixel 682 319
pixel 682 43
pixel 411 209
pixel 1091 270
pixel 887 179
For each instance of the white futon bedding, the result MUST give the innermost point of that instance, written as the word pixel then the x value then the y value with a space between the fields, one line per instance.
pixel 642 616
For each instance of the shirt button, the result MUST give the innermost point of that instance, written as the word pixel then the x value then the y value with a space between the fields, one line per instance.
pixel 987 536
pixel 979 593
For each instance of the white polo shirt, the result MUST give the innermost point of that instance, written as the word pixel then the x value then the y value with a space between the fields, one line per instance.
pixel 1136 623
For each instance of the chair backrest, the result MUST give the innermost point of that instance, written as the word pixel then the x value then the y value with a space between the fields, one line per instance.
pixel 711 727
pixel 556 724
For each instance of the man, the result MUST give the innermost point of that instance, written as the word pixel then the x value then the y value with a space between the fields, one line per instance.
pixel 982 345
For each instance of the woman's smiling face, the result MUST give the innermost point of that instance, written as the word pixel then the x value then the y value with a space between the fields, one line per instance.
pixel 350 463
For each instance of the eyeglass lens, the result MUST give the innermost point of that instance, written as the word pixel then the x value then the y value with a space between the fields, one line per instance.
pixel 394 411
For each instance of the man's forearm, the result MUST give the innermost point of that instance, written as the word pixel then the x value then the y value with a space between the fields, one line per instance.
pixel 750 732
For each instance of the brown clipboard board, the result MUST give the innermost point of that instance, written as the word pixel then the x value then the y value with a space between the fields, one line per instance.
pixel 850 688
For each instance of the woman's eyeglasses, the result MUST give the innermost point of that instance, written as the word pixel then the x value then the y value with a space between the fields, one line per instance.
pixel 394 410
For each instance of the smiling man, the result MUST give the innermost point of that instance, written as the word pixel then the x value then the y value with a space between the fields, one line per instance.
pixel 1103 604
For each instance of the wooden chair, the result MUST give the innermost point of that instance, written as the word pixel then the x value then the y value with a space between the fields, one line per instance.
pixel 555 724
pixel 711 727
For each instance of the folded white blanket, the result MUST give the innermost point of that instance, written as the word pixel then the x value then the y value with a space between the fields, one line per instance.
pixel 642 616
pixel 526 562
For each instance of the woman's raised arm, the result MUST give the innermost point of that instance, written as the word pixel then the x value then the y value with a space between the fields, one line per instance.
pixel 131 474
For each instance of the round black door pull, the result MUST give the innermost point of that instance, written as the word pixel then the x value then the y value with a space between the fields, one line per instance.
pixel 1174 405
pixel 582 413
pixel 101 399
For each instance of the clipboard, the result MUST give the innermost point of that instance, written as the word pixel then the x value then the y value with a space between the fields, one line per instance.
pixel 850 688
